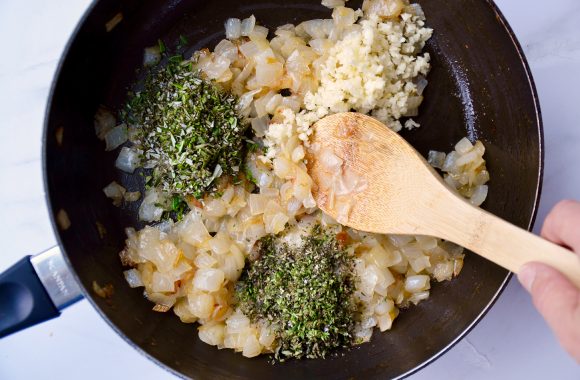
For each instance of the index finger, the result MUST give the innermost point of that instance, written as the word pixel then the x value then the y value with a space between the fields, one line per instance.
pixel 562 225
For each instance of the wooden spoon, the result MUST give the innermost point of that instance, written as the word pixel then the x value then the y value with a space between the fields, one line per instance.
pixel 398 192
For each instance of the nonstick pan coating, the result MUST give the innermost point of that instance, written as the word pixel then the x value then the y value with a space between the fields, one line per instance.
pixel 479 86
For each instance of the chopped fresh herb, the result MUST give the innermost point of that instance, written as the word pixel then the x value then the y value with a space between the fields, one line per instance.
pixel 161 46
pixel 179 207
pixel 249 176
pixel 305 291
pixel 190 132
pixel 252 146
pixel 182 42
pixel 177 59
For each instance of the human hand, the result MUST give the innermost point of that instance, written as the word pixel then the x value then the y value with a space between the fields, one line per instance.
pixel 555 297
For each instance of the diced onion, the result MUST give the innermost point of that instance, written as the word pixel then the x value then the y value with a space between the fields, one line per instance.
pixel 420 263
pixel 115 192
pixel 450 162
pixel 162 283
pixel 246 100
pixel 443 271
pixel 212 334
pixel 260 125
pixel 417 283
pixel 201 304
pixel 193 231
pixel 259 32
pixel 132 196
pixel 215 208
pixel 400 240
pixel 205 260
pixel 421 84
pixel 104 122
pixel 248 26
pixel 467 158
pixel 128 160
pixel 416 10
pixel 385 322
pixel 343 17
pixel 208 279
pixel 316 28
pixel 161 298
pixel 220 244
pixel 233 28
pixel 269 73
pixel 330 161
pixel 298 153
pixel 479 195
pixel 333 3
pixel 151 56
pixel 481 178
pixel 216 68
pixel 283 168
pixel 463 146
pixel 427 243
pixel 364 335
pixel 116 137
pixel 133 278
pixel 383 8
pixel 149 211
pixel 267 337
pixel 436 159
pixel 227 50
pixel 419 296
pixel 237 323
pixel 257 203
pixel 252 347
pixel 384 306
pixel 250 49
pixel 368 322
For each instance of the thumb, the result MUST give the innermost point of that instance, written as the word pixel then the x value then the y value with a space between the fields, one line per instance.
pixel 558 300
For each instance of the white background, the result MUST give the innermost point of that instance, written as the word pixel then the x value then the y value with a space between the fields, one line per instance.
pixel 512 342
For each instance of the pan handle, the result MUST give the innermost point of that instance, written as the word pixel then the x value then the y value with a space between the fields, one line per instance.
pixel 34 290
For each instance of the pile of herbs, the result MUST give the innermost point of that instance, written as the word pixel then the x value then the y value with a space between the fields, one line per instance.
pixel 188 129
pixel 304 291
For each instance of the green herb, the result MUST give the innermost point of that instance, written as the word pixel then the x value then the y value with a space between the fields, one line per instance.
pixel 179 207
pixel 182 42
pixel 305 291
pixel 249 176
pixel 190 132
pixel 252 146
pixel 161 46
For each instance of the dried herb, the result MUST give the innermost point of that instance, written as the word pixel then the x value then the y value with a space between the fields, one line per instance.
pixel 183 42
pixel 304 291
pixel 176 210
pixel 189 130
pixel 249 175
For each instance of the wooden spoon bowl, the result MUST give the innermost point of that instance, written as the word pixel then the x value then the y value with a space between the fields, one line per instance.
pixel 397 192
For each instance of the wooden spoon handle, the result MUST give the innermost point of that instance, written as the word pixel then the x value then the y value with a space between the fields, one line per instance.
pixel 508 245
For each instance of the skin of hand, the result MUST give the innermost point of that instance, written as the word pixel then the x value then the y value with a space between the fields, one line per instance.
pixel 555 297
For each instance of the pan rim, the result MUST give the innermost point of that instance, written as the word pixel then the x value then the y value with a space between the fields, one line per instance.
pixel 87 292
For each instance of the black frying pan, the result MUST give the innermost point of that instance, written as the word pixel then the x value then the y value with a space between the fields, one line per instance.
pixel 480 86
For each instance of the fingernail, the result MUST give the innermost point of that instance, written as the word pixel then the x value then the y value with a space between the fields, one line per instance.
pixel 526 276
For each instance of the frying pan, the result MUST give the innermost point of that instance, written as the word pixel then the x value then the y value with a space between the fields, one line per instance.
pixel 480 86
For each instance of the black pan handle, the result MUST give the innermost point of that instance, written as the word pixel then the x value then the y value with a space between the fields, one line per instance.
pixel 34 290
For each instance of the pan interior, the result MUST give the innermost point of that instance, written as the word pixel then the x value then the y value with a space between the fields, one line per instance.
pixel 478 87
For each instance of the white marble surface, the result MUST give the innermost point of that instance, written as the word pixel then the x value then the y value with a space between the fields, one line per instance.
pixel 512 341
